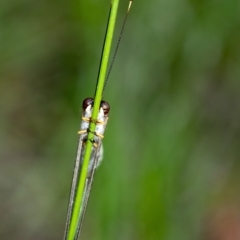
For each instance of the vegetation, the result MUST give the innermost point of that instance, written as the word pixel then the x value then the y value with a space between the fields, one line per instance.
pixel 171 161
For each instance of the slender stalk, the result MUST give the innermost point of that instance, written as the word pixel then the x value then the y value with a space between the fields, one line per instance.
pixel 97 100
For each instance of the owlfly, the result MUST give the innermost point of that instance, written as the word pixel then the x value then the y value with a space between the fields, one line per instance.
pixel 75 215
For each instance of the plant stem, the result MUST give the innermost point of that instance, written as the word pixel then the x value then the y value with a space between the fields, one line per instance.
pixel 97 100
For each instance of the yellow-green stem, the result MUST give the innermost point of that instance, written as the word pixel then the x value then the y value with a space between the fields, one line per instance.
pixel 97 100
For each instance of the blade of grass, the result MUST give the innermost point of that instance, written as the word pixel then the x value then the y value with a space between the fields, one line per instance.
pixel 97 100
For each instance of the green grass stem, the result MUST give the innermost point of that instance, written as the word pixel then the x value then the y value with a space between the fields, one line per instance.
pixel 96 106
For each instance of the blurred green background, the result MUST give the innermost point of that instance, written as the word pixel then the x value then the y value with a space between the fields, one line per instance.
pixel 171 164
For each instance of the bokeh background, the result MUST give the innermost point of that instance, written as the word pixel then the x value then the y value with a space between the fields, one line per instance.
pixel 171 165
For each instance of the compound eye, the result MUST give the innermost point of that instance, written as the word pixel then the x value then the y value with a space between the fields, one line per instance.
pixel 87 102
pixel 105 106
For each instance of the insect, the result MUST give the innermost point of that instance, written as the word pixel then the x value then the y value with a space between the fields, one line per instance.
pixel 96 155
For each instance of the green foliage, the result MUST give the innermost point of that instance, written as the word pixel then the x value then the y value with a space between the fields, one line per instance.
pixel 170 168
